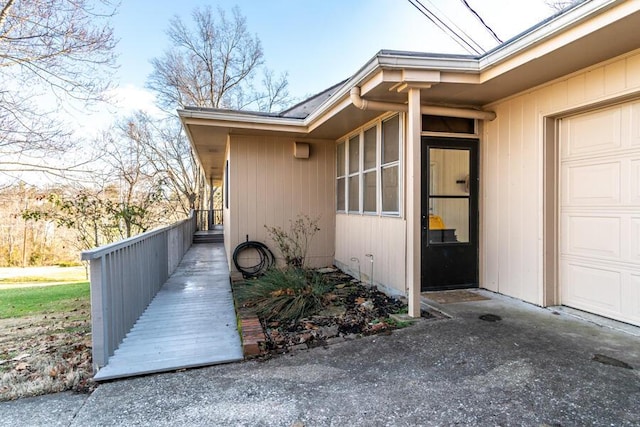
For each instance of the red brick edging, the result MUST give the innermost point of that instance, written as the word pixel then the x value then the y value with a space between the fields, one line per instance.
pixel 252 335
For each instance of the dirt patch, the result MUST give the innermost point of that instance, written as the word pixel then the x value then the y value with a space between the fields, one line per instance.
pixel 46 354
pixel 353 309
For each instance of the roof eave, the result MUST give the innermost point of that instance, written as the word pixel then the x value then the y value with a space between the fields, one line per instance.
pixel 543 32
pixel 242 120
pixel 394 60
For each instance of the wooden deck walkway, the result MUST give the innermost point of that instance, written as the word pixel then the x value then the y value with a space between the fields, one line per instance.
pixel 191 322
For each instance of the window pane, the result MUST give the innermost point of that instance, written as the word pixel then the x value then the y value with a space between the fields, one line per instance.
pixel 370 148
pixel 448 220
pixel 340 192
pixel 447 124
pixel 390 140
pixel 390 190
pixel 354 154
pixel 340 160
pixel 354 194
pixel 370 191
pixel 449 172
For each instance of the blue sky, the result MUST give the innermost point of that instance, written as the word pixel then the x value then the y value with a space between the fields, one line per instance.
pixel 318 42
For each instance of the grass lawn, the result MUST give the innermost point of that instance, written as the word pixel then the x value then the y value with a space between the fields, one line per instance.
pixel 18 276
pixel 36 300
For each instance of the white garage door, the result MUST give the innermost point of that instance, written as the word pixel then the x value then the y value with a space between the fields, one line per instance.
pixel 600 212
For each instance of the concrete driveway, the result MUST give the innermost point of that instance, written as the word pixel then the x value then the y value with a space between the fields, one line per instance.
pixel 534 367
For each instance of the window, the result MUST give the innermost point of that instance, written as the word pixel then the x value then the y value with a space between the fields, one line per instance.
pixel 370 173
pixel 448 124
pixel 368 169
pixel 354 174
pixel 340 178
pixel 391 165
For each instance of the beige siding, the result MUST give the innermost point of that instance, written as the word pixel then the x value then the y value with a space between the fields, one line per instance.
pixel 513 171
pixel 269 186
pixel 382 237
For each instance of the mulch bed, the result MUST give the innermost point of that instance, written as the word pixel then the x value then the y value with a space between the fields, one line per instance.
pixel 354 310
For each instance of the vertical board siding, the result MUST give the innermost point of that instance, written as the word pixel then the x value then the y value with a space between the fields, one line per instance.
pixel 383 237
pixel 513 172
pixel 271 187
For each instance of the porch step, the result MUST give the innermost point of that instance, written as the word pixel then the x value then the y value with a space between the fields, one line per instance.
pixel 208 236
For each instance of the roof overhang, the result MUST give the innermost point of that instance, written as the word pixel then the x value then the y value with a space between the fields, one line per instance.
pixel 587 34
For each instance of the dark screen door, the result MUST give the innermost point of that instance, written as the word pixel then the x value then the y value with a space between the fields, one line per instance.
pixel 449 213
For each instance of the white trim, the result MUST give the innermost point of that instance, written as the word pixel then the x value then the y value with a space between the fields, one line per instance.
pixel 558 24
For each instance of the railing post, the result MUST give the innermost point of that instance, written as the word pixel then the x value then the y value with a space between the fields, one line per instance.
pixel 99 336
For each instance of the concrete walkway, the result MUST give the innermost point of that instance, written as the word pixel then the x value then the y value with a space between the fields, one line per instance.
pixel 191 322
pixel 533 368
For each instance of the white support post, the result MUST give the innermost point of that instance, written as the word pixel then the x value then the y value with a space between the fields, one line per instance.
pixel 413 201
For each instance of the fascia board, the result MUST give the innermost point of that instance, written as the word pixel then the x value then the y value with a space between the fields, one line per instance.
pixel 369 68
pixel 384 61
pixel 543 33
pixel 461 65
pixel 242 121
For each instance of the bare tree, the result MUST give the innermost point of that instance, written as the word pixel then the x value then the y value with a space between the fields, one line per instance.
pixel 169 154
pixel 62 49
pixel 275 95
pixel 559 5
pixel 213 65
pixel 136 206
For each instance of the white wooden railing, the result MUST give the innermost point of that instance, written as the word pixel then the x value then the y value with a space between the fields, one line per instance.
pixel 125 276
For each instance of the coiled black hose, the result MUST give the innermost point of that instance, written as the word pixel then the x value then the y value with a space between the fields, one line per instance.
pixel 266 259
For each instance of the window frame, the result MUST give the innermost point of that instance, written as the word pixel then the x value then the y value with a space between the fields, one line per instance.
pixel 392 164
pixel 373 169
pixel 341 176
pixel 377 169
pixel 357 174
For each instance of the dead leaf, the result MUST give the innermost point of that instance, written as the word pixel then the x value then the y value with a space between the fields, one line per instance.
pixel 22 366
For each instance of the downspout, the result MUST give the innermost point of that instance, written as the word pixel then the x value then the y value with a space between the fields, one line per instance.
pixel 466 113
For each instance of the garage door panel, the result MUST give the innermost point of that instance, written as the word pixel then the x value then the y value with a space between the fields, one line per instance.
pixel 593 133
pixel 593 236
pixel 597 183
pixel 600 212
pixel 634 182
pixel 592 289
pixel 634 240
pixel 635 125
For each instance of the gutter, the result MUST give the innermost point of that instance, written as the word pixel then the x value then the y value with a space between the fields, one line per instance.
pixel 466 113
pixel 243 120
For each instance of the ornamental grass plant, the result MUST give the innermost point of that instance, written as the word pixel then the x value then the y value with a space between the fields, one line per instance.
pixel 285 295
